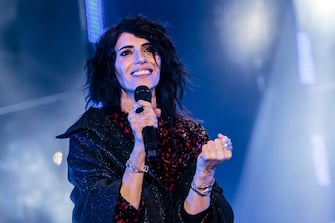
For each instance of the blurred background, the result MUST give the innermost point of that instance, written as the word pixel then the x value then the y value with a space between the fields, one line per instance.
pixel 264 74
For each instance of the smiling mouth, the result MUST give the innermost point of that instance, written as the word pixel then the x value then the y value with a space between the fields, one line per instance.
pixel 141 72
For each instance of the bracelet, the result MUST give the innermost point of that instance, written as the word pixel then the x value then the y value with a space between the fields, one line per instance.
pixel 203 189
pixel 134 169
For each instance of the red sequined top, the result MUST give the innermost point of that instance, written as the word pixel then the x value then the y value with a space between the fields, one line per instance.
pixel 166 167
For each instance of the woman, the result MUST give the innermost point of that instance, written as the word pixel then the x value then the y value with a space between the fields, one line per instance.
pixel 114 179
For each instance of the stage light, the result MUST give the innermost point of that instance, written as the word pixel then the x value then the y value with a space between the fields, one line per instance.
pixel 94 19
pixel 17 107
pixel 305 59
pixel 320 160
pixel 58 158
pixel 247 29
pixel 319 14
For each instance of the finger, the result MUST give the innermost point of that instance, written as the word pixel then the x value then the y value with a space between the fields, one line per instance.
pixel 220 153
pixel 145 103
pixel 212 150
pixel 220 136
pixel 208 152
pixel 147 116
pixel 226 142
pixel 138 107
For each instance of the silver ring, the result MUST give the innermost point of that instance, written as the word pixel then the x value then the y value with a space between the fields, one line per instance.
pixel 228 144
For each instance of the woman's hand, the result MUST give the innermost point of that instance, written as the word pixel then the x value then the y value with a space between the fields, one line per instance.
pixel 147 117
pixel 214 152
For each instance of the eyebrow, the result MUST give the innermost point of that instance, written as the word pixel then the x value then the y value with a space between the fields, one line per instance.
pixel 131 46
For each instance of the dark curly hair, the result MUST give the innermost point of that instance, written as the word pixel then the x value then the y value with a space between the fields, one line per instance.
pixel 102 84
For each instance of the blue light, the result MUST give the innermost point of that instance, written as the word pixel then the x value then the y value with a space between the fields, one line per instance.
pixel 94 19
pixel 305 59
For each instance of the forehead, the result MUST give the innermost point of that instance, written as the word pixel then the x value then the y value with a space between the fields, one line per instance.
pixel 129 39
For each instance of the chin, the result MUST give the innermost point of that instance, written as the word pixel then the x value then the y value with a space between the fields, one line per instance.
pixel 150 84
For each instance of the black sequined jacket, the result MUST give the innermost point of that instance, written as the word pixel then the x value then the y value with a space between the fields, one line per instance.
pixel 98 152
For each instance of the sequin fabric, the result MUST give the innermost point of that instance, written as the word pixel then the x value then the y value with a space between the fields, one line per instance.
pixel 100 145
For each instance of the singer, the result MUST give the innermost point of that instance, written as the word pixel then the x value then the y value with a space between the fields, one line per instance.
pixel 114 178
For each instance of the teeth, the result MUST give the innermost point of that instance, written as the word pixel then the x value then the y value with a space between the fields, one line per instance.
pixel 141 72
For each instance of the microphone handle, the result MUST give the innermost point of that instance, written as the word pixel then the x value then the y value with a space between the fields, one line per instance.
pixel 150 141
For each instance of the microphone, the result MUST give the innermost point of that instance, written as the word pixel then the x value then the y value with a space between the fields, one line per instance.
pixel 149 135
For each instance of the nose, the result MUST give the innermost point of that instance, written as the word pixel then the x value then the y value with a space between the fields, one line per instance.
pixel 140 57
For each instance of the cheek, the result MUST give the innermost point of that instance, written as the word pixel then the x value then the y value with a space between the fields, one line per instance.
pixel 119 68
pixel 119 73
pixel 118 76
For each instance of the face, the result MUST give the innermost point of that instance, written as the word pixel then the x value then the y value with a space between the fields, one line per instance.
pixel 136 63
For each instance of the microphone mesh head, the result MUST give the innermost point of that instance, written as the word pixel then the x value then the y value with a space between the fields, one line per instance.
pixel 142 92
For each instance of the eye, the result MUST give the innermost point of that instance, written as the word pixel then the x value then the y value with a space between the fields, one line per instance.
pixel 149 50
pixel 125 53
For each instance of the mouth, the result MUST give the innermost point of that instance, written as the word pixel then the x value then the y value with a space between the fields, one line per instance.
pixel 141 72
